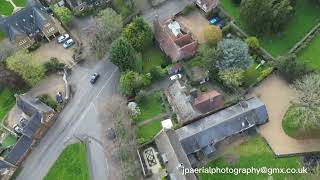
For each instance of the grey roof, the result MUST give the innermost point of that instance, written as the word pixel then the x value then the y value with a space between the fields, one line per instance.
pixel 168 143
pixel 27 21
pixel 4 164
pixel 18 151
pixel 30 105
pixel 33 124
pixel 216 127
pixel 181 102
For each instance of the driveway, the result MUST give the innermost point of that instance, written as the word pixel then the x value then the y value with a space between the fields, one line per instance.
pixel 277 95
pixel 81 118
pixel 195 22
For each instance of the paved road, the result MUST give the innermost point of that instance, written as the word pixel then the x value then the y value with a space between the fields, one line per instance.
pixel 79 119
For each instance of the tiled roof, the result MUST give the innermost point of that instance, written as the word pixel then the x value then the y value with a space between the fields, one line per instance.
pixel 17 152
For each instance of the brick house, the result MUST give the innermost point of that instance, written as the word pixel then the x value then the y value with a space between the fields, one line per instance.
pixel 207 5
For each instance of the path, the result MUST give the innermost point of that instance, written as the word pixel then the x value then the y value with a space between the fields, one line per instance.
pixel 277 95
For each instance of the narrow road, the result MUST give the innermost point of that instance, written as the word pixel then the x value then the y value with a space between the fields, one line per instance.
pixel 80 117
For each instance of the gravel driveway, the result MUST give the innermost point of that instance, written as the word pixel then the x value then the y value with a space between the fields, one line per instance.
pixel 277 95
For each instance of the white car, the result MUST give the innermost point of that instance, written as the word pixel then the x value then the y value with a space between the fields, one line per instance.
pixel 175 77
pixel 68 43
pixel 17 129
pixel 63 38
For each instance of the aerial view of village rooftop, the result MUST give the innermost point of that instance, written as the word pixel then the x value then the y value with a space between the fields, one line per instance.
pixel 159 89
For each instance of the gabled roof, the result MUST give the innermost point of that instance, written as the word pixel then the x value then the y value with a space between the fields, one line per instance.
pixel 33 125
pixel 17 152
pixel 30 105
pixel 4 164
pixel 27 21
pixel 216 127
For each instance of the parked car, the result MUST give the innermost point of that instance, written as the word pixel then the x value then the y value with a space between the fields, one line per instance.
pixel 220 24
pixel 175 77
pixel 63 38
pixel 214 20
pixel 94 78
pixel 68 43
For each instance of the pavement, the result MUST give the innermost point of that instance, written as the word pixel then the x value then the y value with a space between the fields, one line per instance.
pixel 80 119
pixel 277 95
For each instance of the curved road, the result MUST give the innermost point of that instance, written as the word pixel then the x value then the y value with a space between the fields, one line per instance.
pixel 78 119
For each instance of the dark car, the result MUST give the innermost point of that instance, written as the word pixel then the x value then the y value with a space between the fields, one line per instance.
pixel 94 78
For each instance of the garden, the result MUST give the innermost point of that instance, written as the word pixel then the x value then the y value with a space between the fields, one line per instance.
pixel 306 16
pixel 310 54
pixel 146 132
pixel 125 8
pixel 6 8
pixel 253 152
pixel 7 101
pixel 152 57
pixel 71 164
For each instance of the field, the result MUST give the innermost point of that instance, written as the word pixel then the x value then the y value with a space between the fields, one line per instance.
pixel 152 57
pixel 310 55
pixel 148 131
pixel 71 164
pixel 20 3
pixel 7 101
pixel 252 153
pixel 306 16
pixel 5 8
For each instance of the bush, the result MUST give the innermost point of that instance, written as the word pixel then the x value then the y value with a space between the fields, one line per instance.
pixel 250 76
pixel 141 97
pixel 157 73
pixel 252 42
pixel 46 99
pixel 53 65
pixel 212 34
pixel 34 47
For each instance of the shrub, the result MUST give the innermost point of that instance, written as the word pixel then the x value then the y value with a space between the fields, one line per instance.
pixel 141 97
pixel 157 73
pixel 252 42
pixel 53 65
pixel 250 76
pixel 34 47
pixel 231 77
pixel 46 99
pixel 212 34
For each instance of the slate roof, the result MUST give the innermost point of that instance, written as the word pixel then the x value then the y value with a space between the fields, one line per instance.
pixel 33 125
pixel 168 143
pixel 22 146
pixel 4 164
pixel 27 21
pixel 30 105
pixel 216 127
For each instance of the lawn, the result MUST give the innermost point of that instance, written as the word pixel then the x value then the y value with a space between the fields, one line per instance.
pixel 20 3
pixel 151 107
pixel 307 15
pixel 7 101
pixel 252 153
pixel 310 55
pixel 152 57
pixel 8 141
pixel 5 8
pixel 71 164
pixel 148 131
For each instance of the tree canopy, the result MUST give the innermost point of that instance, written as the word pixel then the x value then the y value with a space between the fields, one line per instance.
pixel 108 25
pixel 64 14
pixel 132 82
pixel 123 55
pixel 266 16
pixel 138 33
pixel 212 35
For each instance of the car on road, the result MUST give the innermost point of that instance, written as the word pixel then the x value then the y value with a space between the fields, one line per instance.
pixel 214 20
pixel 63 38
pixel 175 77
pixel 68 43
pixel 94 78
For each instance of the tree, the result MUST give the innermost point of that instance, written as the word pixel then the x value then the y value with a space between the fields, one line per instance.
pixel 212 34
pixel 64 14
pixel 232 77
pixel 252 42
pixel 132 82
pixel 107 28
pixel 138 33
pixel 157 73
pixel 308 104
pixel 23 63
pixel 290 69
pixel 123 55
pixel 235 54
pixel 266 16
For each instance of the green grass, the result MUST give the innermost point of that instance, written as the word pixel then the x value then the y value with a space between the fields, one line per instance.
pixel 252 153
pixel 151 107
pixel 8 141
pixel 71 164
pixel 20 3
pixel 148 131
pixel 5 8
pixel 152 57
pixel 7 101
pixel 121 8
pixel 307 15
pixel 310 55
pixel 2 35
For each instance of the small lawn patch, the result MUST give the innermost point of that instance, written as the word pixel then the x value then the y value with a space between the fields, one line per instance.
pixel 2 35
pixel 71 164
pixel 310 55
pixel 152 57
pixel 7 101
pixel 151 107
pixel 306 16
pixel 20 3
pixel 252 153
pixel 8 141
pixel 5 8
pixel 146 132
